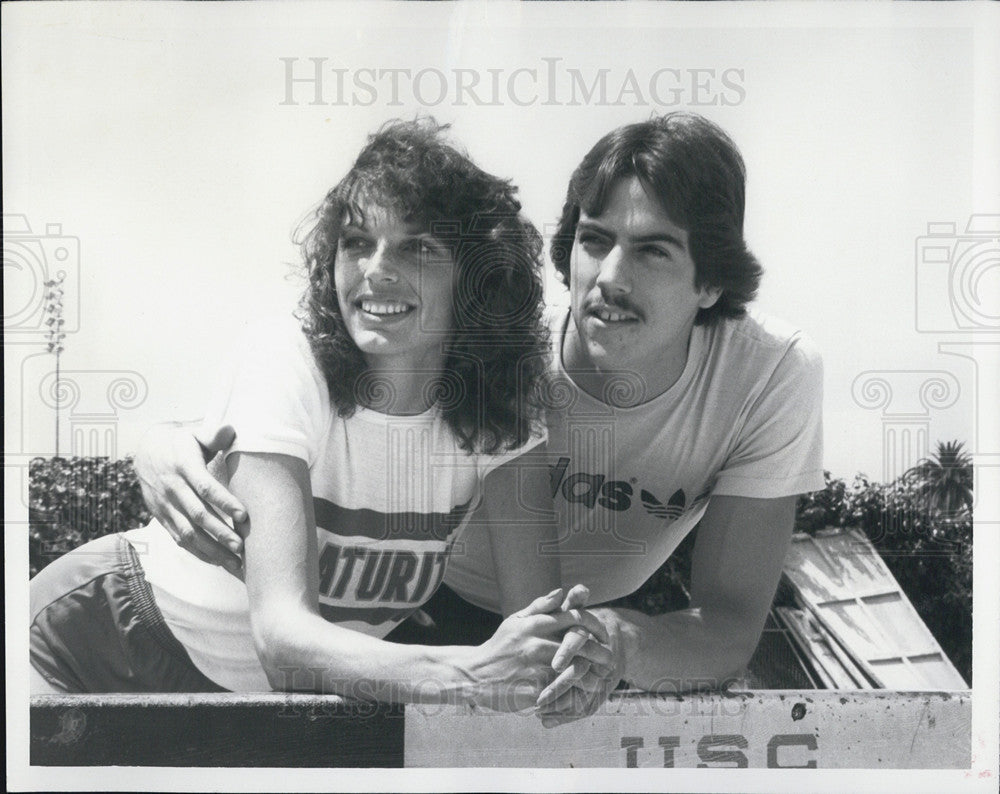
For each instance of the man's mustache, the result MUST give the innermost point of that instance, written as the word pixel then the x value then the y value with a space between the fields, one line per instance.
pixel 621 304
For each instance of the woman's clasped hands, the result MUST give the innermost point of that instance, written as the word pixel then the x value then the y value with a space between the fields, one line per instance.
pixel 554 657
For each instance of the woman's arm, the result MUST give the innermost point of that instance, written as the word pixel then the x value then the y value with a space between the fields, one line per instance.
pixel 301 650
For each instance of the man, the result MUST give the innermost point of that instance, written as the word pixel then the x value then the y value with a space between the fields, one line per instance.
pixel 671 407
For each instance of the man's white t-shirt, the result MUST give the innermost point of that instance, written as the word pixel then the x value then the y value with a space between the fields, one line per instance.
pixel 391 496
pixel 743 419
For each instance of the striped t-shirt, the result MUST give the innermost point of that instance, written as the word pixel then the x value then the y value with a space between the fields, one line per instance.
pixel 391 495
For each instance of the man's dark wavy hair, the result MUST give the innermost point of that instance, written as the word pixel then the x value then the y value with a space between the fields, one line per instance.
pixel 696 172
pixel 496 350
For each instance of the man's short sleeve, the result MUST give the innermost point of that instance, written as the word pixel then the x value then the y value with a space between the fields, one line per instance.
pixel 275 396
pixel 779 450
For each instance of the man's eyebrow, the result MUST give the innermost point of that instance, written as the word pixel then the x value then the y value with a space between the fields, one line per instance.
pixel 660 237
pixel 656 237
pixel 410 231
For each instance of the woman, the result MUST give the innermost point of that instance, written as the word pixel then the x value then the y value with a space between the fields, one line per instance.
pixel 363 435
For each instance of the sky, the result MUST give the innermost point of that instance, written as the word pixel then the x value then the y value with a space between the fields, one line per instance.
pixel 178 149
pixel 160 156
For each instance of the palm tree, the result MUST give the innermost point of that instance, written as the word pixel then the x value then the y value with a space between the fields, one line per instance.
pixel 944 479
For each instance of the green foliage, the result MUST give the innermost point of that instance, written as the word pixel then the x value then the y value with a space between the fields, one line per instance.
pixel 921 525
pixel 74 500
pixel 826 508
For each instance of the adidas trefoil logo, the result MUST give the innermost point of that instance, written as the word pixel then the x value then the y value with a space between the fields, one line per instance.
pixel 669 511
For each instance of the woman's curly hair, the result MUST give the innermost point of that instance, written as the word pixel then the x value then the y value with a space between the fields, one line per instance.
pixel 497 348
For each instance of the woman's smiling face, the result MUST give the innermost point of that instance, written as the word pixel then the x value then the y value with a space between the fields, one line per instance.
pixel 394 287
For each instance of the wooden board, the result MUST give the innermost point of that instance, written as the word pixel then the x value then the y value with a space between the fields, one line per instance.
pixel 816 644
pixel 841 579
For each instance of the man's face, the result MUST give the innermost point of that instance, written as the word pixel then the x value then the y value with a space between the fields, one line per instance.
pixel 632 290
pixel 394 289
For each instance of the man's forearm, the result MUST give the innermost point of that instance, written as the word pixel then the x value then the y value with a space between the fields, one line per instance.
pixel 736 564
pixel 683 650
